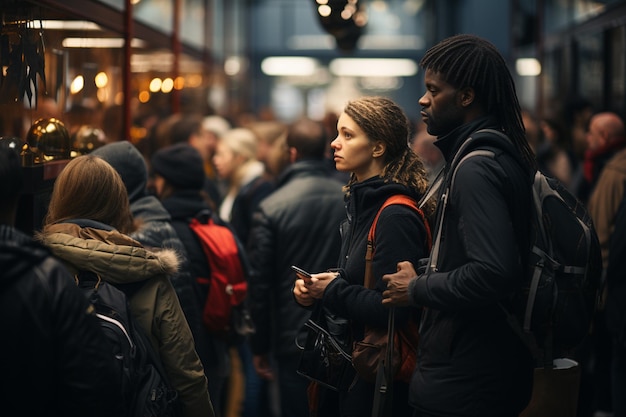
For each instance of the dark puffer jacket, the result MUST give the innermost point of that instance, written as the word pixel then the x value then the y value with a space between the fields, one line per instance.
pixel 470 362
pixel 53 359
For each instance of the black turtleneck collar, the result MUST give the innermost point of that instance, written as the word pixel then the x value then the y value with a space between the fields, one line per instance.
pixel 450 143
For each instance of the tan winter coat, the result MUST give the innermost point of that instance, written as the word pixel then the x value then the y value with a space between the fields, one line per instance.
pixel 117 258
pixel 606 198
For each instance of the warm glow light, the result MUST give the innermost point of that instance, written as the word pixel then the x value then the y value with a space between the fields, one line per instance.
pixel 373 67
pixel 155 85
pixel 101 80
pixel 179 83
pixel 289 65
pixel 77 84
pixel 324 10
pixel 167 85
pixel 100 43
pixel 528 67
pixel 194 80
pixel 144 96
pixel 69 25
pixel 102 95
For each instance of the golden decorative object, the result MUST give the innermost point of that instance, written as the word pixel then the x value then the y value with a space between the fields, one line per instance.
pixel 48 140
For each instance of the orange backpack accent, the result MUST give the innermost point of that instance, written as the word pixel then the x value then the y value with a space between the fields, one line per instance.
pixel 368 353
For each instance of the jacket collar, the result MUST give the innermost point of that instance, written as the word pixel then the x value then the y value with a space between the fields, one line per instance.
pixel 117 258
pixel 185 204
pixel 149 208
pixel 452 141
pixel 366 197
pixel 303 168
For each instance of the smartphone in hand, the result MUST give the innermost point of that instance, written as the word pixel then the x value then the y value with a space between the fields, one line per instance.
pixel 306 276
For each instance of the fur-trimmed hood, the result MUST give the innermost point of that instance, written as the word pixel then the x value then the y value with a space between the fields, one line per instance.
pixel 115 257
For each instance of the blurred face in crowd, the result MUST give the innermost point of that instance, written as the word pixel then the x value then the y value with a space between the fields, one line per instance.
pixel 158 185
pixel 204 142
pixel 353 150
pixel 225 161
pixel 277 156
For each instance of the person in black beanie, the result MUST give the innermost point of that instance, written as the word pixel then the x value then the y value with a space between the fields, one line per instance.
pixel 178 180
pixel 180 165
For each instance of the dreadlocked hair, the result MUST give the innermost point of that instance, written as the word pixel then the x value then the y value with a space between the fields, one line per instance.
pixel 382 119
pixel 470 61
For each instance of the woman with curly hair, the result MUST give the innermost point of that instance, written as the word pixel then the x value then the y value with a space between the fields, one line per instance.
pixel 372 145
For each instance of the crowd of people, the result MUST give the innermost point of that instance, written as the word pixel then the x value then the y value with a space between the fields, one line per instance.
pixel 306 193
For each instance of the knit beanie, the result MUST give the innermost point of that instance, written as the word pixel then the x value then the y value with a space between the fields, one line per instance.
pixel 129 163
pixel 181 165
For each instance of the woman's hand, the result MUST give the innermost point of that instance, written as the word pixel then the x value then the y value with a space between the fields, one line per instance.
pixel 319 282
pixel 302 294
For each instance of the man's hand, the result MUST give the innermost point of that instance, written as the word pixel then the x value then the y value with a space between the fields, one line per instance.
pixel 397 292
pixel 263 367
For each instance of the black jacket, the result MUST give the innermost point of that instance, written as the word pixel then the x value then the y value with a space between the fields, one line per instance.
pixel 53 355
pixel 246 203
pixel 183 206
pixel 400 236
pixel 298 224
pixel 470 363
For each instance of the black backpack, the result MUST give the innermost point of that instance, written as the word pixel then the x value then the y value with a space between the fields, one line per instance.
pixel 554 310
pixel 143 381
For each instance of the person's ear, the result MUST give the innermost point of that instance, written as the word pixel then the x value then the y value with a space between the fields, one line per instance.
pixel 379 149
pixel 467 96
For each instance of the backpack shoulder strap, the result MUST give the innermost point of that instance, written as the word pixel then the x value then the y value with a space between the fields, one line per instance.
pixel 399 199
pixel 480 143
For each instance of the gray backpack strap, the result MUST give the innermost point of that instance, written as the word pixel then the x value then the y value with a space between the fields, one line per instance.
pixel 459 158
pixel 434 253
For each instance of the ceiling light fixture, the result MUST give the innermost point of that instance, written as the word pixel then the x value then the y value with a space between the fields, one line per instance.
pixel 528 67
pixel 289 65
pixel 373 67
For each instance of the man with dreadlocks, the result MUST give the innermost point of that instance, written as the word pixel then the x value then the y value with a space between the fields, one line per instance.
pixel 470 361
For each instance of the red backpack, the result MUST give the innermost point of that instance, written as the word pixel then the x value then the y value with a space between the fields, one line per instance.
pixel 227 283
